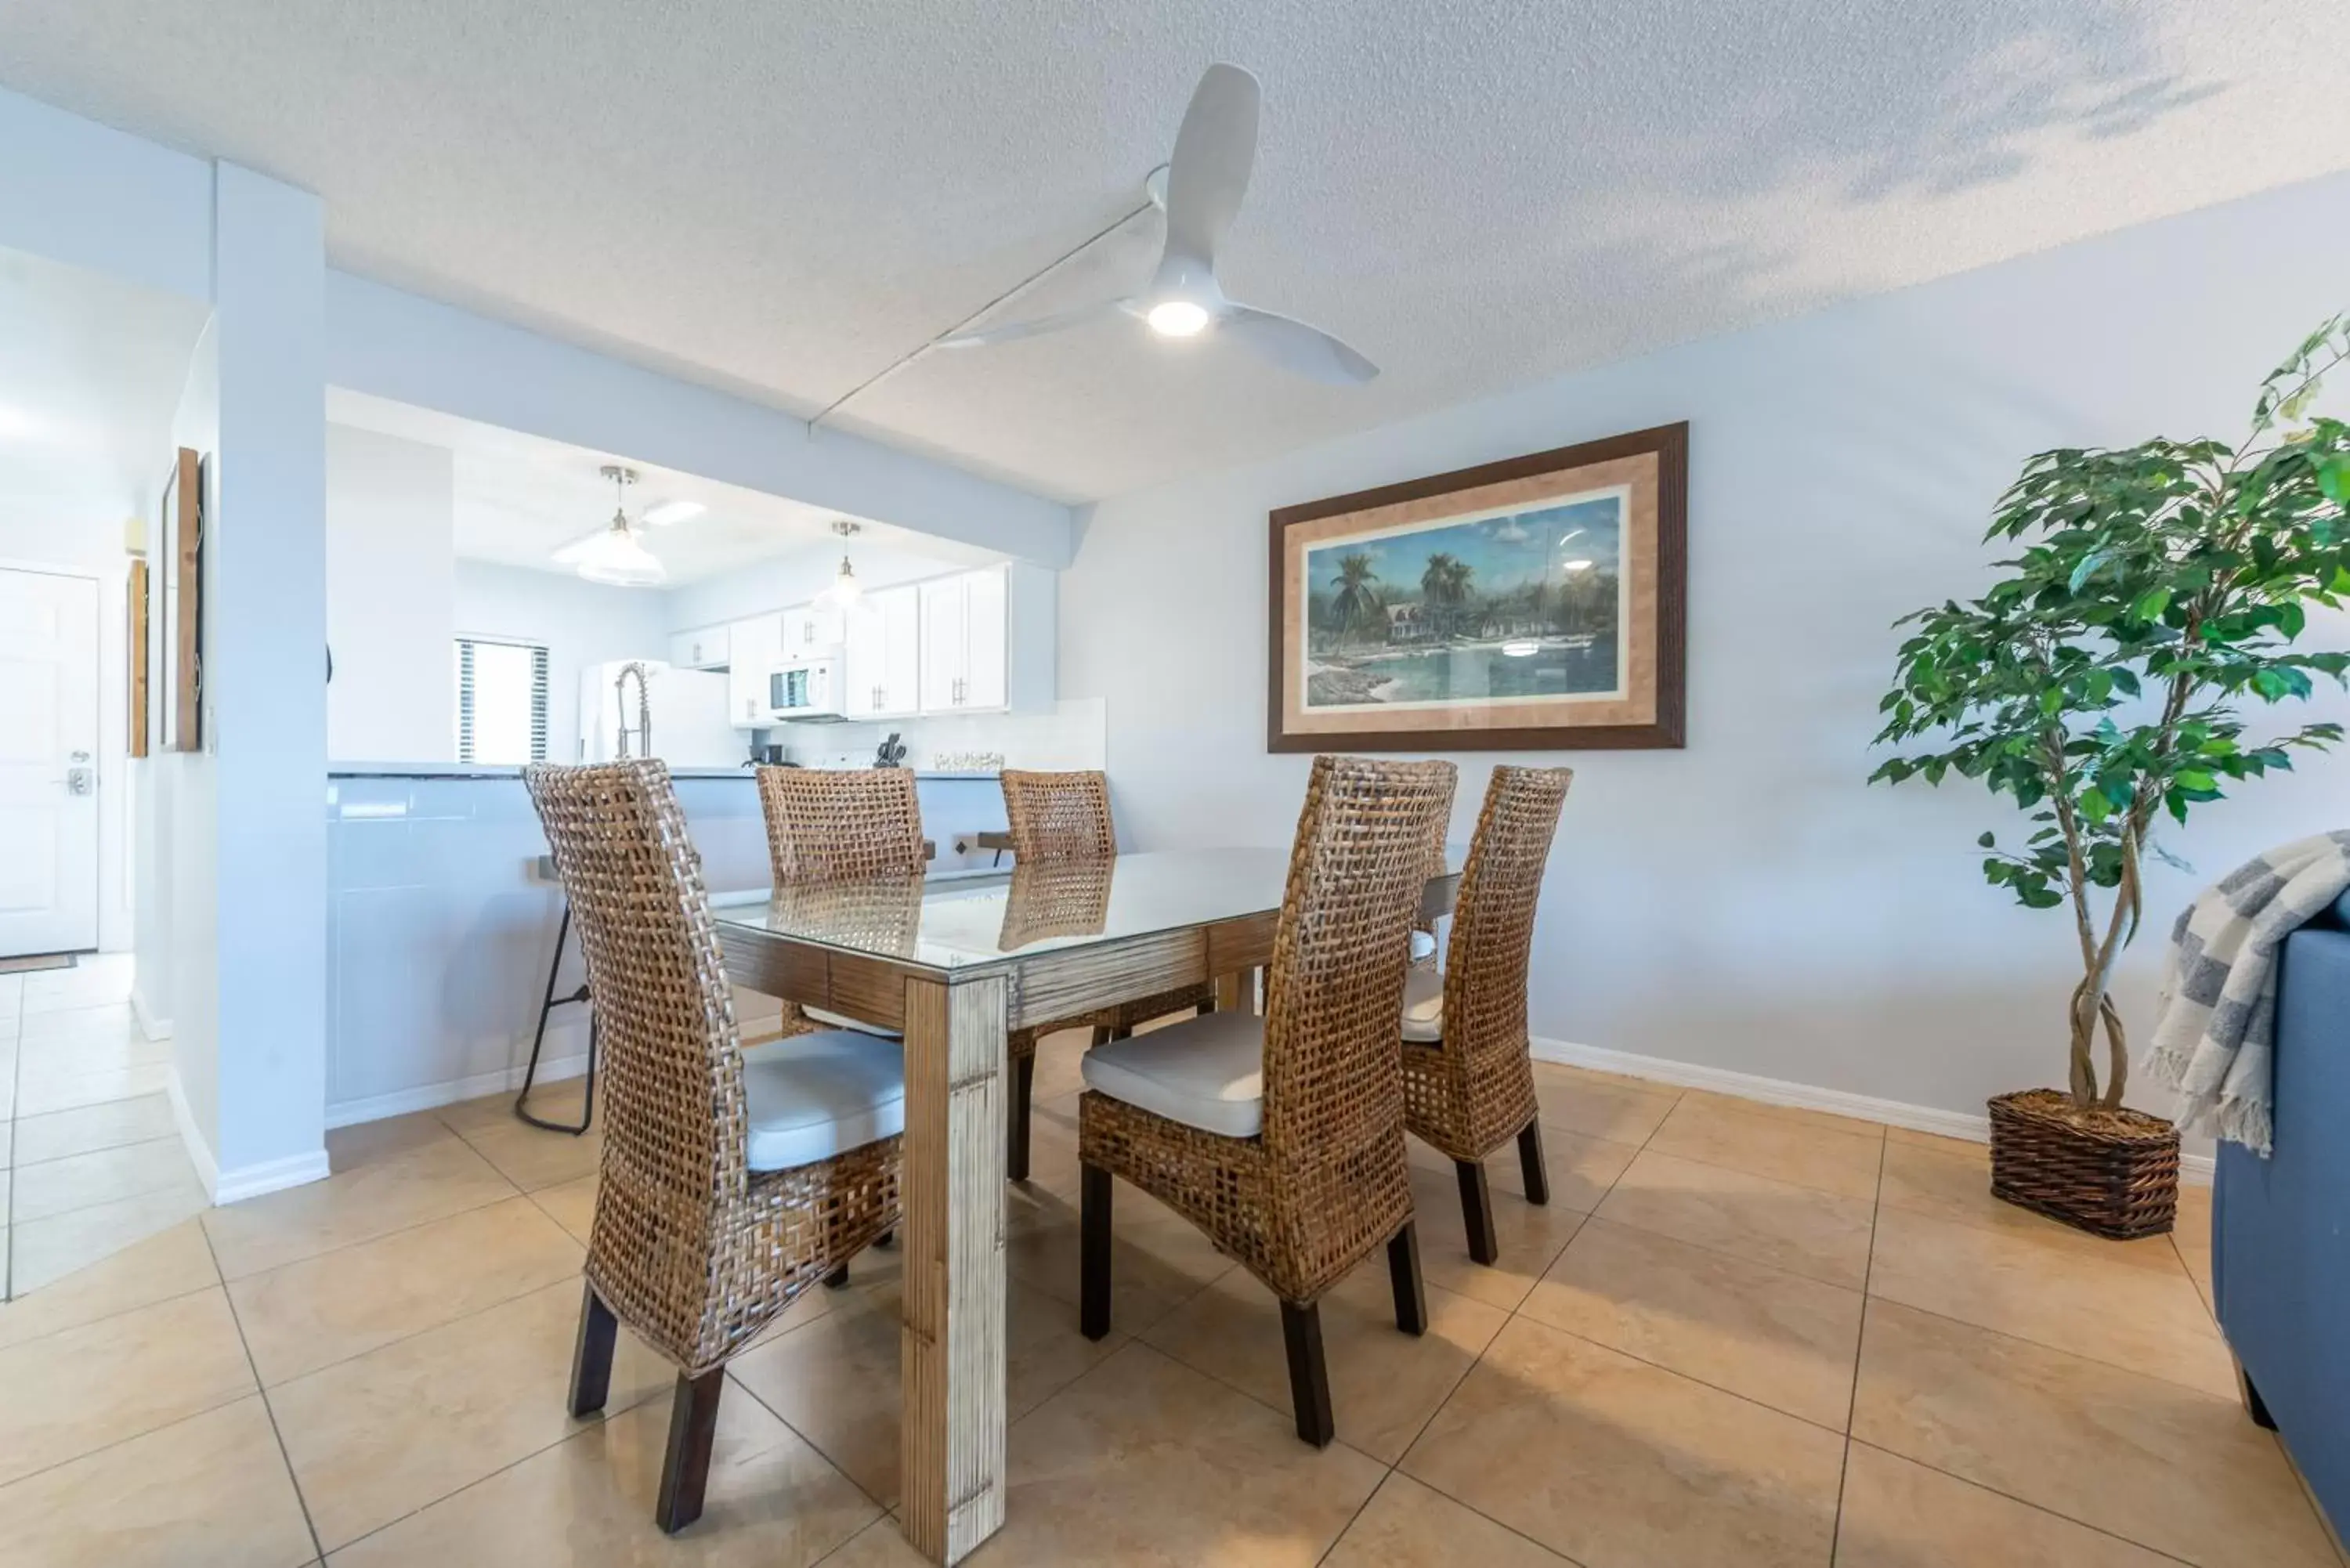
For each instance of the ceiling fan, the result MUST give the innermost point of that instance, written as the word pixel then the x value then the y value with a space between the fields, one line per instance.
pixel 615 554
pixel 1201 190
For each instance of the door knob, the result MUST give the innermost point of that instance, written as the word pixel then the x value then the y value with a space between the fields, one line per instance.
pixel 77 781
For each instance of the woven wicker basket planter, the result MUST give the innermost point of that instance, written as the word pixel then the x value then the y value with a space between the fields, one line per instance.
pixel 2111 1173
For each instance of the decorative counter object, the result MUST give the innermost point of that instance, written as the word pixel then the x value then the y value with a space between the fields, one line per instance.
pixel 2101 684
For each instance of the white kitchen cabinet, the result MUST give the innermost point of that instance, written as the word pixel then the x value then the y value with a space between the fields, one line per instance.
pixel 808 628
pixel 882 647
pixel 703 648
pixel 753 649
pixel 965 628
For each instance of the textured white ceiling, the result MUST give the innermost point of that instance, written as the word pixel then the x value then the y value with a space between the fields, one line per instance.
pixel 520 498
pixel 781 199
pixel 90 372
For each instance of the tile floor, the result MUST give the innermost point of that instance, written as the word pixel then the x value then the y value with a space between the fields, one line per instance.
pixel 1738 1337
pixel 90 1161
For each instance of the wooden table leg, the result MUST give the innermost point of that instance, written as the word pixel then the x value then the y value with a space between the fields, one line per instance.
pixel 950 1449
pixel 1236 993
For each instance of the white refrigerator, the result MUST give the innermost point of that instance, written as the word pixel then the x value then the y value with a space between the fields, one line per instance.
pixel 688 708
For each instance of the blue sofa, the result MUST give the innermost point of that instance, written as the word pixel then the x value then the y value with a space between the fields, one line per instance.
pixel 2280 1225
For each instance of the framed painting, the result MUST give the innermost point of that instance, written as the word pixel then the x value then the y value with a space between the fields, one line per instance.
pixel 1538 603
pixel 180 537
pixel 135 659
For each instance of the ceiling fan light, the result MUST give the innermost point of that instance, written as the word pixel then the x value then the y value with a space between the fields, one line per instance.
pixel 846 589
pixel 1177 318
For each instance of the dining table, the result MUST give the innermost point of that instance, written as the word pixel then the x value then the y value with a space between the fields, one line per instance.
pixel 956 961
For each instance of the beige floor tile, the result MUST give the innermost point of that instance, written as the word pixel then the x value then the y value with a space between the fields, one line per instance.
pixel 588 1503
pixel 1145 1461
pixel 570 1204
pixel 836 1380
pixel 74 1392
pixel 1898 1514
pixel 1601 1107
pixel 211 1491
pixel 43 1252
pixel 75 1055
pixel 1823 1121
pixel 1562 1073
pixel 1937 1142
pixel 170 1263
pixel 1609 1460
pixel 531 1157
pixel 1781 1339
pixel 1159 1259
pixel 1530 1240
pixel 1581 1169
pixel 1799 1229
pixel 2190 1235
pixel 439 1179
pixel 102 1176
pixel 41 1093
pixel 557 1101
pixel 106 1126
pixel 312 1313
pixel 7 1140
pixel 2150 1461
pixel 1408 1526
pixel 1955 1187
pixel 52 1018
pixel 1384 1385
pixel 372 1143
pixel 2146 1320
pixel 1053 1144
pixel 1060 1059
pixel 384 1434
pixel 1830 1159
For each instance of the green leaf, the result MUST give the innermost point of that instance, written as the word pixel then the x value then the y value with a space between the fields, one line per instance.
pixel 1986 841
pixel 2334 479
pixel 2151 606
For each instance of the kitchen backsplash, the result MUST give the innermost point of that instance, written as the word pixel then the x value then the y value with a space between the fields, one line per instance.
pixel 1072 735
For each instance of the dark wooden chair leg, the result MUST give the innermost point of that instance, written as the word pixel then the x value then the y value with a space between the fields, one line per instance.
pixel 1016 1154
pixel 1477 1211
pixel 1309 1373
pixel 837 1278
pixel 887 1238
pixel 1531 1166
pixel 1403 1274
pixel 1093 1241
pixel 591 1357
pixel 685 1471
pixel 2254 1406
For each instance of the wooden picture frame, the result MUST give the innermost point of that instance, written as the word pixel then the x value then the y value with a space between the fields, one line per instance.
pixel 135 655
pixel 179 542
pixel 1536 603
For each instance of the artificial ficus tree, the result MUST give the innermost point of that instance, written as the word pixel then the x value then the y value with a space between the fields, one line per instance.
pixel 2103 680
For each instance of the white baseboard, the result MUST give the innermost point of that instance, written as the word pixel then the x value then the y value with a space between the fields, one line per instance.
pixel 2194 1168
pixel 200 1152
pixel 151 1027
pixel 271 1176
pixel 431 1097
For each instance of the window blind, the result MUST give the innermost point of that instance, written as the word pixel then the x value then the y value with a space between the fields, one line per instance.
pixel 501 700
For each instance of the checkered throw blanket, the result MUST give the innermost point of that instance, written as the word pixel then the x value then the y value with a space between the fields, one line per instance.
pixel 2215 1020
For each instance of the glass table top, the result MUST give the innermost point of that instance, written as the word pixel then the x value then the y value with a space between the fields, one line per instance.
pixel 960 920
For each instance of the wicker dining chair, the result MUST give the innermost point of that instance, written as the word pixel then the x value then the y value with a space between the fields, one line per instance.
pixel 841 824
pixel 733 1179
pixel 1468 1082
pixel 1280 1137
pixel 1059 818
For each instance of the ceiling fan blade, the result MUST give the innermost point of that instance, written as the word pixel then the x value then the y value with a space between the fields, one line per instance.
pixel 1209 173
pixel 1297 347
pixel 1010 331
pixel 580 547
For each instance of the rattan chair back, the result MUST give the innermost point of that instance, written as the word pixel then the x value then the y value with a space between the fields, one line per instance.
pixel 841 824
pixel 673 1117
pixel 1333 1097
pixel 1484 1093
pixel 1058 816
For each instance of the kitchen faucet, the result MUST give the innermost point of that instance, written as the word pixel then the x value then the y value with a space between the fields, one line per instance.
pixel 644 707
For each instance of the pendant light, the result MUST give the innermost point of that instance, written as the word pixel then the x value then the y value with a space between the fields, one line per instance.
pixel 615 557
pixel 846 589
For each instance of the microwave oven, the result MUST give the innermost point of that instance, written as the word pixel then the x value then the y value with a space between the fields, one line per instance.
pixel 801 690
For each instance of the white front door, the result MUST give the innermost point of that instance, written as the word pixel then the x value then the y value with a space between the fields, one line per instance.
pixel 48 762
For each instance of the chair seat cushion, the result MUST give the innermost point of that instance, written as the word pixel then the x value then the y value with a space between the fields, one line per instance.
pixel 1206 1073
pixel 1423 946
pixel 842 1020
pixel 1424 1004
pixel 809 1098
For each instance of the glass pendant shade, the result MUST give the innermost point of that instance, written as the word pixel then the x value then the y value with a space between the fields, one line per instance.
pixel 615 558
